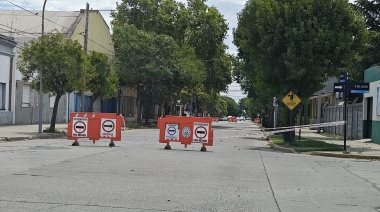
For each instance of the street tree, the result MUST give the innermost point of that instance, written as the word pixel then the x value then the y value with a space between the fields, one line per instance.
pixel 232 106
pixel 104 81
pixel 297 44
pixel 194 26
pixel 370 9
pixel 153 64
pixel 64 66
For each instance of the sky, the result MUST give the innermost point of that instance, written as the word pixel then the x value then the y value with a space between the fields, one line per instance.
pixel 228 8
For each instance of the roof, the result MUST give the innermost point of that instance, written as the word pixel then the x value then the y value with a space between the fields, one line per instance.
pixel 28 24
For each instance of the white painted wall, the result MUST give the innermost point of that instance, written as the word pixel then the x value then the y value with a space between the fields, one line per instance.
pixel 4 77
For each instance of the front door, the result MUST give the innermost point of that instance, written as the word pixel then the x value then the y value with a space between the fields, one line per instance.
pixel 369 117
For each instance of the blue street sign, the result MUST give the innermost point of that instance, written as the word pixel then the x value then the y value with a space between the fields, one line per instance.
pixel 343 77
pixel 358 87
pixel 338 87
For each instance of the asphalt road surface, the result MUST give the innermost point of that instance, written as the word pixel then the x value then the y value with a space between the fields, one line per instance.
pixel 239 173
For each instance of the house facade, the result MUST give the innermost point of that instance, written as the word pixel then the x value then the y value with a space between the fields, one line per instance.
pixel 7 86
pixel 371 108
pixel 24 26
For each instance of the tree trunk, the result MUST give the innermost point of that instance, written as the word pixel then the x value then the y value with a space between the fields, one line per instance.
pixel 54 115
pixel 93 98
pixel 138 103
pixel 290 136
pixel 147 110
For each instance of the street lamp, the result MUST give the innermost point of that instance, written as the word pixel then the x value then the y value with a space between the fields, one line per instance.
pixel 40 106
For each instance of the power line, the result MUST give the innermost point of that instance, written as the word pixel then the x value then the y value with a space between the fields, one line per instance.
pixel 21 7
pixel 19 30
pixel 57 24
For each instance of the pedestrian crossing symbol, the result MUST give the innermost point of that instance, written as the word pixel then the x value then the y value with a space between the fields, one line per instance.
pixel 291 100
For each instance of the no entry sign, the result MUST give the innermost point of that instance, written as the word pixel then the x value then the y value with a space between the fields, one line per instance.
pixel 80 125
pixel 200 132
pixel 108 127
pixel 172 132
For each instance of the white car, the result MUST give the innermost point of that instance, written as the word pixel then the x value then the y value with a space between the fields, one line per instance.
pixel 241 118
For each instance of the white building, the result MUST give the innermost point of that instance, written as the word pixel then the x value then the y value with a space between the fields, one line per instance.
pixel 7 74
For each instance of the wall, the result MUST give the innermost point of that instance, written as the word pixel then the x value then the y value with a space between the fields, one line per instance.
pixel 374 120
pixel 354 120
pixel 29 115
pixel 372 74
pixel 6 79
pixel 98 33
pixel 6 117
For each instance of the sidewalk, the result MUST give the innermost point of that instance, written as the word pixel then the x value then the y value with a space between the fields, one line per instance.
pixel 28 132
pixel 360 149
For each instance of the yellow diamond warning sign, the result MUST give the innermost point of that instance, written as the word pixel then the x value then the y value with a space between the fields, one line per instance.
pixel 291 100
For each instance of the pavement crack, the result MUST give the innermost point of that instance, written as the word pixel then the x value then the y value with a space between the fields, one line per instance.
pixel 270 183
pixel 374 185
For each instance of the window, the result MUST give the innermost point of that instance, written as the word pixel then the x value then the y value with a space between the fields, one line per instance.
pixel 52 100
pixel 2 96
pixel 26 96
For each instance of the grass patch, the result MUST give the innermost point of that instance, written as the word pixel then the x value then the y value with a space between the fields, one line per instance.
pixel 306 145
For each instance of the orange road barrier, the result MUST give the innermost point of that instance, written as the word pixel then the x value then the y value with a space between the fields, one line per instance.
pixel 232 119
pixel 186 130
pixel 215 119
pixel 95 126
pixel 256 120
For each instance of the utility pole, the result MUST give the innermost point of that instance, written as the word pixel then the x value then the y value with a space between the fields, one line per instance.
pixel 85 52
pixel 40 100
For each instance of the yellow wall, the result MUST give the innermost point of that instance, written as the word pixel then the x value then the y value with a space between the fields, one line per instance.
pixel 98 33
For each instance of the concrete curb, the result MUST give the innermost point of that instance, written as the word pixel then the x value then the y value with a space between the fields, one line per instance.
pixel 325 154
pixel 42 136
pixel 349 155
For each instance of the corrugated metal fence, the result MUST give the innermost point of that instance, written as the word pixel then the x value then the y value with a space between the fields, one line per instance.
pixel 354 120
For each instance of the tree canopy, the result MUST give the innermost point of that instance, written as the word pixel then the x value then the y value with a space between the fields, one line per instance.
pixel 63 65
pixel 104 81
pixel 296 44
pixel 196 33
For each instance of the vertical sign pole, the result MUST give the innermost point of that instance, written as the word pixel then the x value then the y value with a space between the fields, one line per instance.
pixel 345 110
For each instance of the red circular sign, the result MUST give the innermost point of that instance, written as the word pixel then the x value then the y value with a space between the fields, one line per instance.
pixel 82 128
pixel 200 132
pixel 108 126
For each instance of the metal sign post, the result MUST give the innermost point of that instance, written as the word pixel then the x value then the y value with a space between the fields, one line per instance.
pixel 345 112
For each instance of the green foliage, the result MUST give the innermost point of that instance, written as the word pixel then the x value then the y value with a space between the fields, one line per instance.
pixel 62 60
pixel 296 44
pixel 104 81
pixel 370 55
pixel 232 106
pixel 199 54
pixel 64 67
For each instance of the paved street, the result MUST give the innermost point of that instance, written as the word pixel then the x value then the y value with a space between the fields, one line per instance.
pixel 239 173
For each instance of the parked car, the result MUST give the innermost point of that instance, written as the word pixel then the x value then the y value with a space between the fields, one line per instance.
pixel 248 119
pixel 241 118
pixel 223 118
